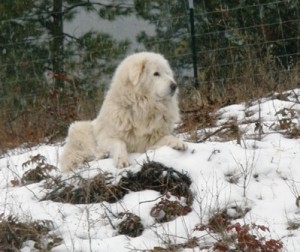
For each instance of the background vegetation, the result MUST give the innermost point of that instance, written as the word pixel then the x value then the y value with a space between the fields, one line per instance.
pixel 49 78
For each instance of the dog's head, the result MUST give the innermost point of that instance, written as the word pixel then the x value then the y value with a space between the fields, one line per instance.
pixel 150 73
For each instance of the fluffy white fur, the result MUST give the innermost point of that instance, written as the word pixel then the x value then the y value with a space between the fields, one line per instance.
pixel 138 113
pixel 80 146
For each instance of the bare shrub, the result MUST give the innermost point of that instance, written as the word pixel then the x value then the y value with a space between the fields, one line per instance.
pixel 238 237
pixel 39 173
pixel 167 210
pixel 13 235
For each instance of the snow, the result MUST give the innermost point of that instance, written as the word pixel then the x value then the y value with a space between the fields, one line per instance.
pixel 268 185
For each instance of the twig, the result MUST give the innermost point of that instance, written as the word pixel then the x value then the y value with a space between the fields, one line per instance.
pixel 213 133
pixel 227 126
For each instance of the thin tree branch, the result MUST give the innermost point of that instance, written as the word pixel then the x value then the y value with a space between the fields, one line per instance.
pixel 91 4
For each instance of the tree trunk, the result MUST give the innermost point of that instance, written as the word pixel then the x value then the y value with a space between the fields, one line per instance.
pixel 57 44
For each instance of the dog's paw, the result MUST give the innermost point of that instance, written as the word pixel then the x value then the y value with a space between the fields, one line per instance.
pixel 178 145
pixel 103 155
pixel 122 162
pixel 100 153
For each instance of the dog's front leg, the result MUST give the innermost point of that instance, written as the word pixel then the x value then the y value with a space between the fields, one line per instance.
pixel 119 153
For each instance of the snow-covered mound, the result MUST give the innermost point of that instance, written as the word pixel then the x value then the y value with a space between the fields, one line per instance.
pixel 245 169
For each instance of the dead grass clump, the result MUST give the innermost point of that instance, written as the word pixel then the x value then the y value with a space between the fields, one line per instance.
pixel 217 223
pixel 13 235
pixel 167 210
pixel 153 176
pixel 86 191
pixel 39 173
pixel 130 225
pixel 237 237
pixel 293 133
pixel 241 237
pixel 293 225
pixel 221 219
pixel 158 177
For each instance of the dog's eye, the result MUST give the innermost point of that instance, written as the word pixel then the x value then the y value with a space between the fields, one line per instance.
pixel 156 74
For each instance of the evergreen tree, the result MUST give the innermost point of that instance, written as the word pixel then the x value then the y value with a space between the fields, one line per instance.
pixel 33 44
pixel 231 36
pixel 32 38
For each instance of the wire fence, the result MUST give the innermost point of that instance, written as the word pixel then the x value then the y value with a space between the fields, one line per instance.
pixel 264 35
pixel 244 43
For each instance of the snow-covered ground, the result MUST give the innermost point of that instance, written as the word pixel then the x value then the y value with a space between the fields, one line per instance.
pixel 256 170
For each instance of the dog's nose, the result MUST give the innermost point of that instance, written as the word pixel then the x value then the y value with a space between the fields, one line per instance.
pixel 173 87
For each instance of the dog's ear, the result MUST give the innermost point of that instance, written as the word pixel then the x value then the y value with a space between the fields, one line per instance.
pixel 136 71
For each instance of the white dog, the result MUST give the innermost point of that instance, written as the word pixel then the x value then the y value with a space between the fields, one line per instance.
pixel 138 113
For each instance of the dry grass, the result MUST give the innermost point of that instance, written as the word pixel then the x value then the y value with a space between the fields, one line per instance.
pixel 152 176
pixel 198 106
pixel 238 237
pixel 46 116
pixel 14 233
